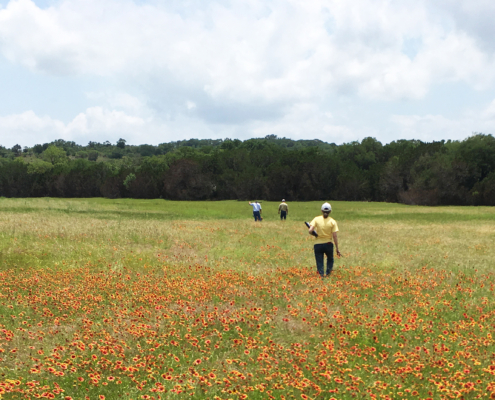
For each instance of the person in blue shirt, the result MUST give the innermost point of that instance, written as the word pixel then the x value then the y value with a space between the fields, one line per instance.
pixel 256 210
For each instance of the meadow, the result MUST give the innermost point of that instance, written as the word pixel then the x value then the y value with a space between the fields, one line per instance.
pixel 154 299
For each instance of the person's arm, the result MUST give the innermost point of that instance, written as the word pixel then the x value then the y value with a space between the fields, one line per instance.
pixel 279 208
pixel 287 211
pixel 312 226
pixel 336 241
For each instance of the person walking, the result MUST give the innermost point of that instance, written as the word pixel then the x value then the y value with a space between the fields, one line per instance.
pixel 283 210
pixel 256 210
pixel 327 229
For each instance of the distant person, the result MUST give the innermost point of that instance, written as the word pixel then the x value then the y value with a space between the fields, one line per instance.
pixel 327 229
pixel 283 210
pixel 256 210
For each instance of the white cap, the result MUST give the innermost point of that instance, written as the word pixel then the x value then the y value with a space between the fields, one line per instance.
pixel 326 207
pixel 283 199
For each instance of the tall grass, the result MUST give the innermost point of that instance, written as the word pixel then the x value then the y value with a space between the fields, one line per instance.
pixel 44 231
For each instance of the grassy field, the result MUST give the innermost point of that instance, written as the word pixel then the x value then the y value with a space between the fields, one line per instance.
pixel 156 299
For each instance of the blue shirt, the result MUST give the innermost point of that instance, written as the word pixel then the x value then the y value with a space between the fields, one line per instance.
pixel 256 206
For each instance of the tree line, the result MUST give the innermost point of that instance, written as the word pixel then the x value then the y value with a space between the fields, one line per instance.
pixel 270 168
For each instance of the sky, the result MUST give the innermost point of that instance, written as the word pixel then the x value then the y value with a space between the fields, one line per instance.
pixel 152 71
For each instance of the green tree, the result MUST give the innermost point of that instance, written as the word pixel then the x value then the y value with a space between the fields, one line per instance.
pixel 38 148
pixel 128 180
pixel 479 151
pixel 121 143
pixel 54 155
pixel 93 155
pixel 82 154
pixel 39 167
pixel 17 149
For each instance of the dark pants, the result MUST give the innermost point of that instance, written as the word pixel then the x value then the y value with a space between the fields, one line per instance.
pixel 320 251
pixel 257 215
pixel 283 214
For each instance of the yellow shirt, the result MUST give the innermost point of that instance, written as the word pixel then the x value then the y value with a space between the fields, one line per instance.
pixel 324 227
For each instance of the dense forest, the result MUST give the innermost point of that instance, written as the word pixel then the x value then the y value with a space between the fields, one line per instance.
pixel 270 168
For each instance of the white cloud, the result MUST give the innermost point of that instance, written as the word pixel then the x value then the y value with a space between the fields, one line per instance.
pixel 270 51
pixel 27 128
pixel 96 120
pixel 473 17
pixel 95 124
pixel 120 101
pixel 436 127
pixel 428 127
pixel 249 67
pixel 489 113
pixel 304 121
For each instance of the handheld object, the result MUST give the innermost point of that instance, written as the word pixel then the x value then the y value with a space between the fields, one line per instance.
pixel 313 233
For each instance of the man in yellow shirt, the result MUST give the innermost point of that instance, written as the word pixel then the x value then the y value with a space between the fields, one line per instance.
pixel 327 229
pixel 283 210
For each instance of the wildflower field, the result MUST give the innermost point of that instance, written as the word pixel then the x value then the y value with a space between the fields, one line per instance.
pixel 153 299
